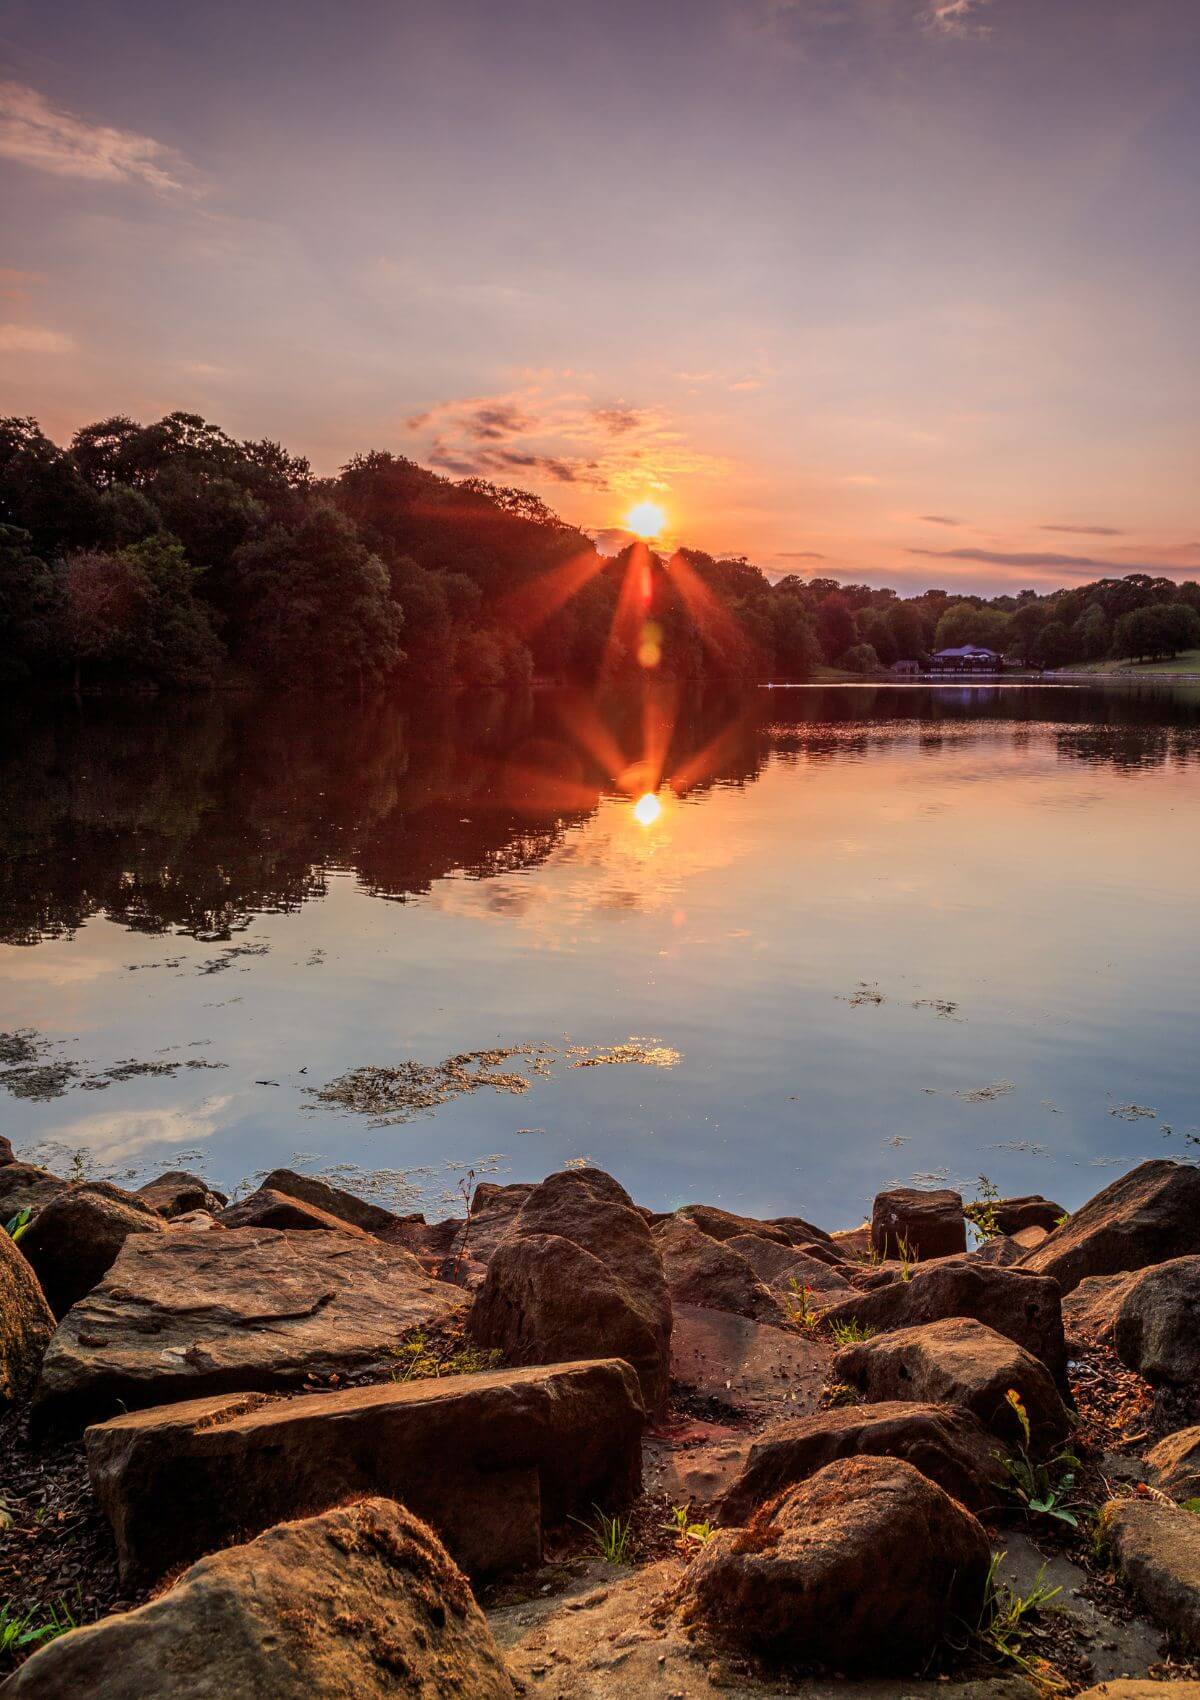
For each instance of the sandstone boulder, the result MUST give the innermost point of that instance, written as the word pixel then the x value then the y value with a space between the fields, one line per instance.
pixel 26 1323
pixel 1006 1249
pixel 948 1445
pixel 178 1193
pixel 363 1601
pixel 1013 1215
pixel 1175 1464
pixel 1157 1329
pixel 707 1272
pixel 578 1275
pixel 1157 1547
pixel 268 1209
pixel 1091 1309
pixel 1145 1217
pixel 1023 1307
pixel 6 1151
pixel 907 1222
pixel 800 1232
pixel 486 1460
pixel 860 1568
pixel 724 1224
pixel 494 1209
pixel 251 1309
pixel 23 1186
pixel 958 1362
pixel 752 1367
pixel 335 1201
pixel 779 1266
pixel 74 1239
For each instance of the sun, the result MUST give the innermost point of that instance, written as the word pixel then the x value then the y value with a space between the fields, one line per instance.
pixel 646 518
pixel 647 809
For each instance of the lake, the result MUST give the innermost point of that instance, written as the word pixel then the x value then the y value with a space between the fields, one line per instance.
pixel 773 952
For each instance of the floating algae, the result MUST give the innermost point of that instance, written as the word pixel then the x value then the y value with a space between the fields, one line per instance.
pixel 32 1067
pixel 393 1095
pixel 985 1094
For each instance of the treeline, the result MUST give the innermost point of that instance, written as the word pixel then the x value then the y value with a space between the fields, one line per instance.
pixel 172 554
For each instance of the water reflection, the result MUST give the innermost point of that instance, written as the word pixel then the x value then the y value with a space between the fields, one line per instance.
pixel 194 817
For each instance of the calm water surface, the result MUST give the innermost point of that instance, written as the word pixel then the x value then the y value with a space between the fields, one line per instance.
pixel 858 935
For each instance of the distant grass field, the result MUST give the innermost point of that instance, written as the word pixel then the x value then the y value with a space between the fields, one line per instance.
pixel 1187 661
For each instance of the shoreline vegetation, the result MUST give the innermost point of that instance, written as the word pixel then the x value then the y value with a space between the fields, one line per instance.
pixel 172 556
pixel 560 1423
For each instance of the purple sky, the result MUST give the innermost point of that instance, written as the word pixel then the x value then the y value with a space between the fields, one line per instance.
pixel 902 290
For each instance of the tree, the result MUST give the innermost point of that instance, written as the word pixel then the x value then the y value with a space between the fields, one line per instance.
pixel 320 613
pixel 875 629
pixel 29 608
pixel 908 632
pixel 859 658
pixel 1054 646
pixel 970 623
pixel 835 626
pixel 133 610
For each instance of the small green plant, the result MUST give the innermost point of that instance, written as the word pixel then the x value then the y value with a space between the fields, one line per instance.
pixel 688 1534
pixel 1192 1505
pixel 610 1534
pixel 18 1224
pixel 1003 1625
pixel 416 1360
pixel 1043 1489
pixel 800 1307
pixel 851 1332
pixel 23 1630
pixel 981 1215
pixel 1061 1221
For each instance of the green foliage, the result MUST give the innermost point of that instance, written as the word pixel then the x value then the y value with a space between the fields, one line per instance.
pixel 610 1535
pixel 1043 1489
pixel 417 1359
pixel 1005 1621
pixel 981 1215
pixel 688 1534
pixel 851 1332
pixel 800 1307
pixel 17 1225
pixel 24 1629
pixel 836 1394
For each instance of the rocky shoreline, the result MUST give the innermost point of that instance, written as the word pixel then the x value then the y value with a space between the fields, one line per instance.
pixel 569 1446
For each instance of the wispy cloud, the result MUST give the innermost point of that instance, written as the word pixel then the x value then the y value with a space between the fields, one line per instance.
pixel 546 433
pixel 1076 565
pixel 799 555
pixel 49 138
pixel 33 339
pixel 954 17
pixel 941 519
pixel 1085 530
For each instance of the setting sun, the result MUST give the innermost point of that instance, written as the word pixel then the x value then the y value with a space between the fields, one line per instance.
pixel 647 809
pixel 646 518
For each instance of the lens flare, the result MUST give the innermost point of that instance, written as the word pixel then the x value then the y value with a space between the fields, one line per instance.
pixel 647 809
pixel 646 519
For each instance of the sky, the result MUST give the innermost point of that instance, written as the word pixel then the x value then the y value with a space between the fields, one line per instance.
pixel 901 291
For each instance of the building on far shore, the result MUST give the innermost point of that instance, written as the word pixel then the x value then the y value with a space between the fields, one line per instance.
pixel 967 658
pixel 906 669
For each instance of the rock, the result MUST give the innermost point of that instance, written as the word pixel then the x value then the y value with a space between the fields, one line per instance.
pixel 748 1366
pixel 1146 1217
pixel 948 1445
pixel 6 1151
pixel 1157 1331
pixel 706 1272
pixel 361 1601
pixel 73 1240
pixel 494 1209
pixel 1175 1463
pixel 1090 1311
pixel 578 1275
pixel 862 1567
pixel 485 1459
pixel 1136 1690
pixel 1157 1547
pixel 23 1186
pixel 723 1224
pixel 251 1309
pixel 336 1202
pixel 909 1223
pixel 778 1266
pixel 1006 1249
pixel 958 1362
pixel 1013 1215
pixel 268 1209
pixel 26 1323
pixel 191 1220
pixel 178 1193
pixel 1023 1307
pixel 801 1233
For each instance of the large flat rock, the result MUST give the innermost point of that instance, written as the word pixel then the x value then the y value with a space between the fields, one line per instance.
pixel 184 1314
pixel 485 1459
pixel 361 1602
pixel 1145 1217
pixel 750 1366
pixel 1157 1547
